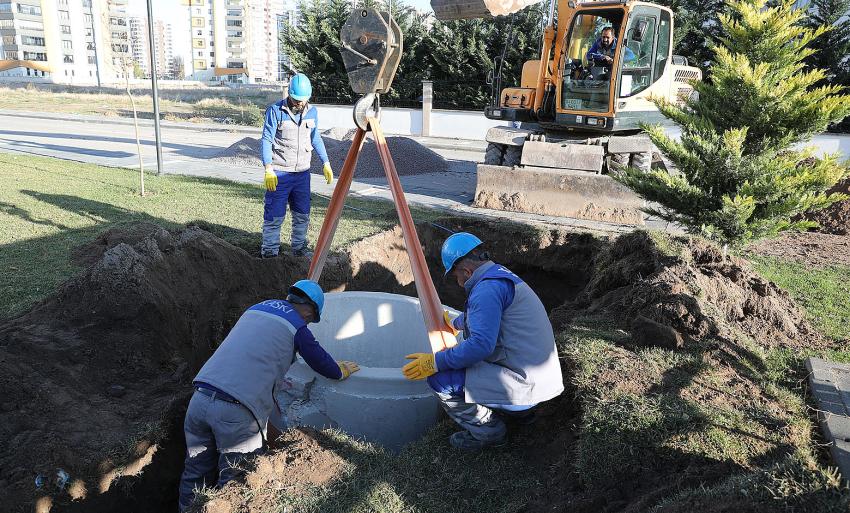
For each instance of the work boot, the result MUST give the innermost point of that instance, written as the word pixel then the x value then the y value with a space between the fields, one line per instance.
pixel 302 253
pixel 465 441
pixel 267 254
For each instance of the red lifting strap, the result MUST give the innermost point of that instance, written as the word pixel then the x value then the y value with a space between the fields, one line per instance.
pixel 429 301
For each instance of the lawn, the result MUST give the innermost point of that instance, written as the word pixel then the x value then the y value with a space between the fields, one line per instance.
pixel 48 207
pixel 191 105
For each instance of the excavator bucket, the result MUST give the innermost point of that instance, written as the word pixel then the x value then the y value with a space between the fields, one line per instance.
pixel 371 45
pixel 446 10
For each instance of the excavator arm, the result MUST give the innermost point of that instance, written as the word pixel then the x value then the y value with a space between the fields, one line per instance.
pixel 446 10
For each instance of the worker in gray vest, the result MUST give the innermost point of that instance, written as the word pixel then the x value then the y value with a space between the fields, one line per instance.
pixel 506 362
pixel 290 134
pixel 229 411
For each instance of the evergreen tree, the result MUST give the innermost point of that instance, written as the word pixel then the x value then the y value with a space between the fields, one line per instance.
pixel 739 177
pixel 697 28
pixel 833 48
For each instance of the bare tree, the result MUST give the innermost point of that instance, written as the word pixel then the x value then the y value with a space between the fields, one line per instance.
pixel 127 66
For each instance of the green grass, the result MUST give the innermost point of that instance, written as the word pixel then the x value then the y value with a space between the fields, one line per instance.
pixel 823 292
pixel 48 207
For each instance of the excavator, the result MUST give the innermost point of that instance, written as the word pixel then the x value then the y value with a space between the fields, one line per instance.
pixel 576 116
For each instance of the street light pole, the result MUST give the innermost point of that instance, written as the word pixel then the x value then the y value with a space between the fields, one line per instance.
pixel 155 90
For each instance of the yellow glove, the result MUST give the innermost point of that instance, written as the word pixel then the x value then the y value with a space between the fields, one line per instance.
pixel 449 326
pixel 422 366
pixel 329 174
pixel 347 368
pixel 270 180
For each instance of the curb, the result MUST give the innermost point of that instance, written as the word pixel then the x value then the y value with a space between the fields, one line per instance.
pixel 429 142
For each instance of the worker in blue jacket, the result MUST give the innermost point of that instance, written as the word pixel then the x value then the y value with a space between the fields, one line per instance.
pixel 506 362
pixel 290 134
pixel 602 51
pixel 228 414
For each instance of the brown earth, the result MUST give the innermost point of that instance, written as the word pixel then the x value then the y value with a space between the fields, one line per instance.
pixel 94 379
pixel 810 248
pixel 836 218
pixel 693 289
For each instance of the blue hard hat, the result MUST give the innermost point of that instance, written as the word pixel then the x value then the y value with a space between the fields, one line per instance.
pixel 312 291
pixel 456 247
pixel 300 88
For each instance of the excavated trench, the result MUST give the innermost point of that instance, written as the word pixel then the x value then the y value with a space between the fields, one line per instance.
pixel 96 377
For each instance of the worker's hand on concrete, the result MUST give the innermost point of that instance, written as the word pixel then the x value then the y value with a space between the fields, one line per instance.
pixel 329 173
pixel 422 366
pixel 449 326
pixel 347 368
pixel 270 180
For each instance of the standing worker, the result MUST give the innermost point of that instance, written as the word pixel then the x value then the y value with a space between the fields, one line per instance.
pixel 228 413
pixel 507 362
pixel 290 134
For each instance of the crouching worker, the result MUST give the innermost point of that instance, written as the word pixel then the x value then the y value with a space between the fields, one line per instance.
pixel 228 413
pixel 507 362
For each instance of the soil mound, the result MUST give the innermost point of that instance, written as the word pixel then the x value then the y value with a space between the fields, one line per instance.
pixel 810 248
pixel 298 461
pixel 90 376
pixel 693 289
pixel 836 218
pixel 410 157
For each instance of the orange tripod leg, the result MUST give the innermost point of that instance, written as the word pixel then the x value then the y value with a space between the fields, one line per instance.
pixel 432 309
pixel 329 225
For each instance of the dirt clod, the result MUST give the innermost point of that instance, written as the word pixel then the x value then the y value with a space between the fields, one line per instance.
pixel 834 219
pixel 648 333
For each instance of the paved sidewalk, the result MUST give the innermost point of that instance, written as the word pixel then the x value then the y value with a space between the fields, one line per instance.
pixel 189 147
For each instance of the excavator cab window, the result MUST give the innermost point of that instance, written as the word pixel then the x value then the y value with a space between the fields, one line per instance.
pixel 648 41
pixel 587 76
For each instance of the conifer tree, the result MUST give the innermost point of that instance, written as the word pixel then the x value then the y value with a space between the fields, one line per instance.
pixel 833 48
pixel 740 176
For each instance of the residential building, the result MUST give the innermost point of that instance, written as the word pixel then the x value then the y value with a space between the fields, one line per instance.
pixel 64 41
pixel 234 40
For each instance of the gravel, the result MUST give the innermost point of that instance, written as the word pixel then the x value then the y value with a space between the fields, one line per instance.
pixel 410 157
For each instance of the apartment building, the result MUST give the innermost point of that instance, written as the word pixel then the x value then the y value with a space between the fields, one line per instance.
pixel 64 41
pixel 234 40
pixel 163 35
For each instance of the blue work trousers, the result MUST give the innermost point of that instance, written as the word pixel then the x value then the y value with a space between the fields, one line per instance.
pixel 292 189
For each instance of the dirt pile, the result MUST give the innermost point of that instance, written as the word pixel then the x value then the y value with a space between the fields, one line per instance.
pixel 410 157
pixel 836 218
pixel 91 378
pixel 691 288
pixel 296 463
pixel 810 248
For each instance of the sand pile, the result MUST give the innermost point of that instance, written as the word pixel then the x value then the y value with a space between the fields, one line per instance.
pixel 410 157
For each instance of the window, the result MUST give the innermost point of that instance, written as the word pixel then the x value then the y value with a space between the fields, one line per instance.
pixel 662 52
pixel 234 23
pixel 66 44
pixel 640 41
pixel 9 40
pixel 200 64
pixel 89 46
pixel 32 40
pixel 585 87
pixel 7 23
pixel 63 2
pixel 87 3
pixel 197 11
pixel 31 25
pixel 235 65
pixel 89 33
pixel 35 56
pixel 32 10
pixel 63 15
pixel 212 54
pixel 92 60
pixel 200 54
pixel 198 43
pixel 68 59
pixel 198 22
pixel 12 56
pixel 200 32
pixel 234 12
pixel 66 29
pixel 5 7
